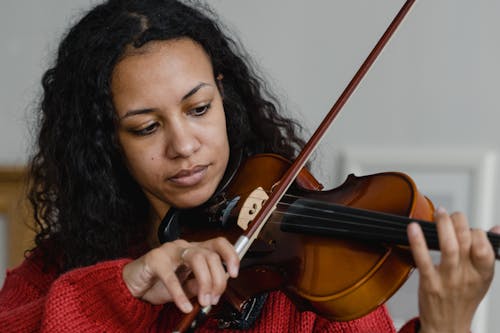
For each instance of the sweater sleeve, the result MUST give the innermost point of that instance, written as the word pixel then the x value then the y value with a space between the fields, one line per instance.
pixel 23 296
pixel 96 299
pixel 378 321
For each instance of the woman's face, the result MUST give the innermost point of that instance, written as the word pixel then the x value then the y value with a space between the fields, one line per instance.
pixel 171 123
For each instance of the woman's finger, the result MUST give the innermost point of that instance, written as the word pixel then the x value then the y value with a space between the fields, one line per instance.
pixel 496 229
pixel 482 255
pixel 175 290
pixel 448 243
pixel 419 249
pixel 196 260
pixel 219 277
pixel 227 253
pixel 463 234
pixel 163 262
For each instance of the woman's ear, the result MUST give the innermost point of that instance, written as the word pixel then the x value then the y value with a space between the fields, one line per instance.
pixel 219 84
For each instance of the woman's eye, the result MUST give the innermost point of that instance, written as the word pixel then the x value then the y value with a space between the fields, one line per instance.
pixel 146 130
pixel 199 111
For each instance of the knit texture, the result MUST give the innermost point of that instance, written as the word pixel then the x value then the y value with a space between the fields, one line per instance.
pixel 95 299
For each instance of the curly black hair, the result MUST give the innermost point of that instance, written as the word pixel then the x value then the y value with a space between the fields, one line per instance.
pixel 87 206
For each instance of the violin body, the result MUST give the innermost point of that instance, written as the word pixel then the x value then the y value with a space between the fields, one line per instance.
pixel 332 273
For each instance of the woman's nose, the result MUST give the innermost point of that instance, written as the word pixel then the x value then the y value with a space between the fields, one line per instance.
pixel 182 141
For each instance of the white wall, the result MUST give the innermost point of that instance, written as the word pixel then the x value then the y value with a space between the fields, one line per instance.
pixel 434 87
pixel 3 244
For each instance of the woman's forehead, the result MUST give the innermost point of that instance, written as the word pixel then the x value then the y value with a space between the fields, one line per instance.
pixel 174 66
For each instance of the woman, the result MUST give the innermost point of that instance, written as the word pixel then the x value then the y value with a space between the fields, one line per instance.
pixel 144 109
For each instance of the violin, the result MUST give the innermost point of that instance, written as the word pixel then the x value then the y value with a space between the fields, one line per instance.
pixel 339 253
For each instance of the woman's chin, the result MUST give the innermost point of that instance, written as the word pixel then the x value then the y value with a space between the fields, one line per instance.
pixel 190 200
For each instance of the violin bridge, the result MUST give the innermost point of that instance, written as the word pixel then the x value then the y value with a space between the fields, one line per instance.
pixel 251 207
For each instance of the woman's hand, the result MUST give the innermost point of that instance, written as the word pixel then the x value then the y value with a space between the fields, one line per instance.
pixel 164 274
pixel 450 292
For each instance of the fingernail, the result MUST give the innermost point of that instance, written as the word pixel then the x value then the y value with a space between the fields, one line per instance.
pixel 233 271
pixel 187 307
pixel 413 229
pixel 215 299
pixel 440 210
pixel 205 299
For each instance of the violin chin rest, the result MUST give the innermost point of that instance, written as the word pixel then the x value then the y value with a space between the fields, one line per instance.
pixel 169 229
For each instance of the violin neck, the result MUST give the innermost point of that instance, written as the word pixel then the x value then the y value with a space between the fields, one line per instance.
pixel 327 219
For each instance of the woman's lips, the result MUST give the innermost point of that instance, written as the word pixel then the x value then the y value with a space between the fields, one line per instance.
pixel 189 177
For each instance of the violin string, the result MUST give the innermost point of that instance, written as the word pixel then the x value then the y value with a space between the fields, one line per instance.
pixel 399 221
pixel 366 235
pixel 375 221
pixel 368 230
pixel 356 229
pixel 341 226
pixel 377 233
pixel 388 220
pixel 347 218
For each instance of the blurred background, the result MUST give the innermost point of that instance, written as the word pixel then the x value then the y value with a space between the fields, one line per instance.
pixel 429 106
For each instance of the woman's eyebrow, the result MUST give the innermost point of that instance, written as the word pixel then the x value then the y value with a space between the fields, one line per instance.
pixel 186 96
pixel 135 112
pixel 194 90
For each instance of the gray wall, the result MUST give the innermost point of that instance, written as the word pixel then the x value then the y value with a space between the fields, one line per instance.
pixel 434 88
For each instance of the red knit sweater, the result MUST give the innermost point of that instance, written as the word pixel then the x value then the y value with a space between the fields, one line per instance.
pixel 95 299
